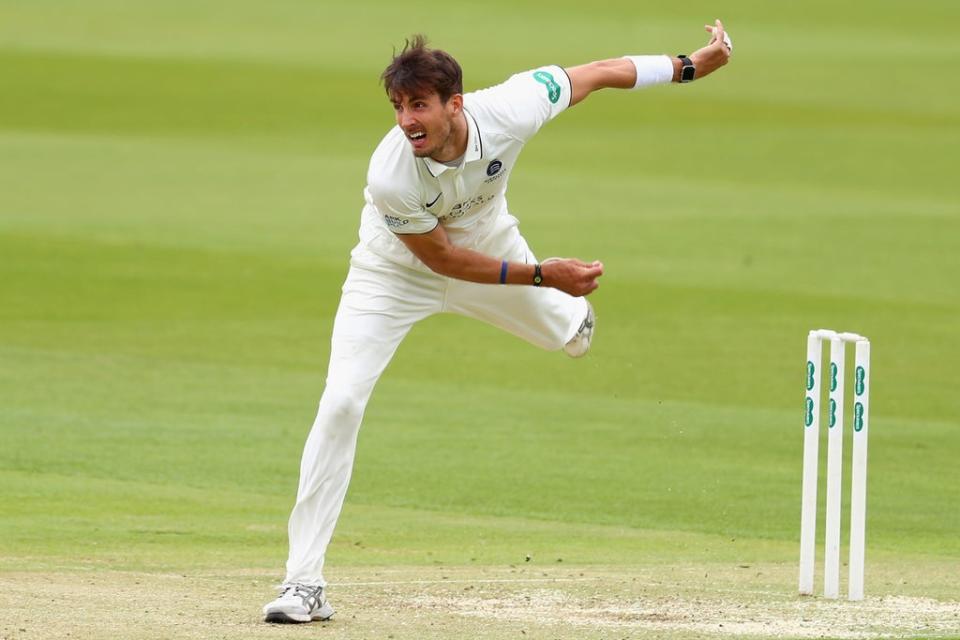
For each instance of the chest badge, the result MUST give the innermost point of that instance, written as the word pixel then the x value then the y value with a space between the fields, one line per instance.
pixel 494 167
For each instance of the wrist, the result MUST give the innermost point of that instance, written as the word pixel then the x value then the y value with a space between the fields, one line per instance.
pixel 688 70
pixel 651 70
pixel 518 273
pixel 537 275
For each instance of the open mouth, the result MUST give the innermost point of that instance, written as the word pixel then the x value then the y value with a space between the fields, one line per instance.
pixel 417 139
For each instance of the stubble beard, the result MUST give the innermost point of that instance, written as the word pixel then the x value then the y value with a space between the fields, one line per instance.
pixel 435 149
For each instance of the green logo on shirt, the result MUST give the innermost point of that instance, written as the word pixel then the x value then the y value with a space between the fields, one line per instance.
pixel 546 79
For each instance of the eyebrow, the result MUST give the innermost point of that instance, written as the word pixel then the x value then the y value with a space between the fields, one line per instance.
pixel 410 98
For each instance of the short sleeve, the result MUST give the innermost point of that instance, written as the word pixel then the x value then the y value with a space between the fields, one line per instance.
pixel 402 212
pixel 528 100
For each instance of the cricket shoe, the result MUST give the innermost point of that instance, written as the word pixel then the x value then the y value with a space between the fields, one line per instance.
pixel 298 603
pixel 580 343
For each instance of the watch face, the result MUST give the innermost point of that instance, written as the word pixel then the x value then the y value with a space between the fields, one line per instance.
pixel 687 73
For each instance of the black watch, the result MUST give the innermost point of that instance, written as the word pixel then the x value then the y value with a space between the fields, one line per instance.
pixel 537 276
pixel 687 71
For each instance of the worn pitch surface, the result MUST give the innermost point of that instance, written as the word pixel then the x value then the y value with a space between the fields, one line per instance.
pixel 457 602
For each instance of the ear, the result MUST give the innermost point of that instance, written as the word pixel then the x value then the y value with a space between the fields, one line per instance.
pixel 456 103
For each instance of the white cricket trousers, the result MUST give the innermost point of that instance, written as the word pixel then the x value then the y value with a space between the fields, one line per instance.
pixel 381 301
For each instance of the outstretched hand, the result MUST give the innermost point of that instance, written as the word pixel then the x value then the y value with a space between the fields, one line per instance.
pixel 572 276
pixel 717 52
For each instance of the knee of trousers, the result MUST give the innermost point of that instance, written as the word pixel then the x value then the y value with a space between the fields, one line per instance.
pixel 340 410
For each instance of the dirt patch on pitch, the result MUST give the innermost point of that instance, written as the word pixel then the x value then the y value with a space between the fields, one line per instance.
pixel 423 603
pixel 714 616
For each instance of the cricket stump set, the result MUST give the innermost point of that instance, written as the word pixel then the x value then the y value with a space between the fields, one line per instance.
pixel 811 441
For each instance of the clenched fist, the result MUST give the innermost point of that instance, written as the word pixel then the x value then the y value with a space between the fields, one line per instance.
pixel 576 277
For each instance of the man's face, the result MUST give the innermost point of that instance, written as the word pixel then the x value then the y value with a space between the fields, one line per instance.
pixel 426 120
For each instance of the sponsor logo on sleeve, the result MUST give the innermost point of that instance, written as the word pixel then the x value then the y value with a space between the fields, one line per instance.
pixel 394 222
pixel 546 79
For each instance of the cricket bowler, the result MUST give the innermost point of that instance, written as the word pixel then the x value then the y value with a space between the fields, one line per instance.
pixel 437 236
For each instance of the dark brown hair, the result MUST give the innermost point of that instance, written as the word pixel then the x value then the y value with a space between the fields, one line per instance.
pixel 418 69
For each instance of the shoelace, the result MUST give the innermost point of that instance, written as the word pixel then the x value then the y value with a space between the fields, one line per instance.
pixel 300 590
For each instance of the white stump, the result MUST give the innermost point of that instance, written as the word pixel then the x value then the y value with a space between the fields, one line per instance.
pixel 811 455
pixel 858 476
pixel 831 558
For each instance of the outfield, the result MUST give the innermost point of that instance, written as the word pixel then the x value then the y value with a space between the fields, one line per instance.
pixel 180 186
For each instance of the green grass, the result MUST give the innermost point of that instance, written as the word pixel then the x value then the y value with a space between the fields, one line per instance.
pixel 180 186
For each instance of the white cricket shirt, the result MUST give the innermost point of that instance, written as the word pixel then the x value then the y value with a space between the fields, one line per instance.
pixel 406 194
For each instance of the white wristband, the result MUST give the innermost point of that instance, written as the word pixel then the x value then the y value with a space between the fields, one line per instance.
pixel 652 70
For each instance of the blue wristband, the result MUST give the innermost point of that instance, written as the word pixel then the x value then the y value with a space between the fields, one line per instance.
pixel 503 272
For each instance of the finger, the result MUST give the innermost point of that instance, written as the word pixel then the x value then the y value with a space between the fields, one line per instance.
pixel 712 31
pixel 718 32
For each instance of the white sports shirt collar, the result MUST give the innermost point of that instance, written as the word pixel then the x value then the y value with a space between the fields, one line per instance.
pixel 474 147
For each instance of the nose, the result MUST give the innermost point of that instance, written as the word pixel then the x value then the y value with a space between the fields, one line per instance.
pixel 404 119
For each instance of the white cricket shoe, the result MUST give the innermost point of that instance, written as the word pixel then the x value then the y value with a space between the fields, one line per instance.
pixel 580 343
pixel 298 603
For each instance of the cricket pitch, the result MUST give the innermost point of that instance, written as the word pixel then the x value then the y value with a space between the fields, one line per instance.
pixel 523 601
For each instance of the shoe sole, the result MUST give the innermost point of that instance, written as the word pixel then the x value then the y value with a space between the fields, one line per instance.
pixel 281 617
